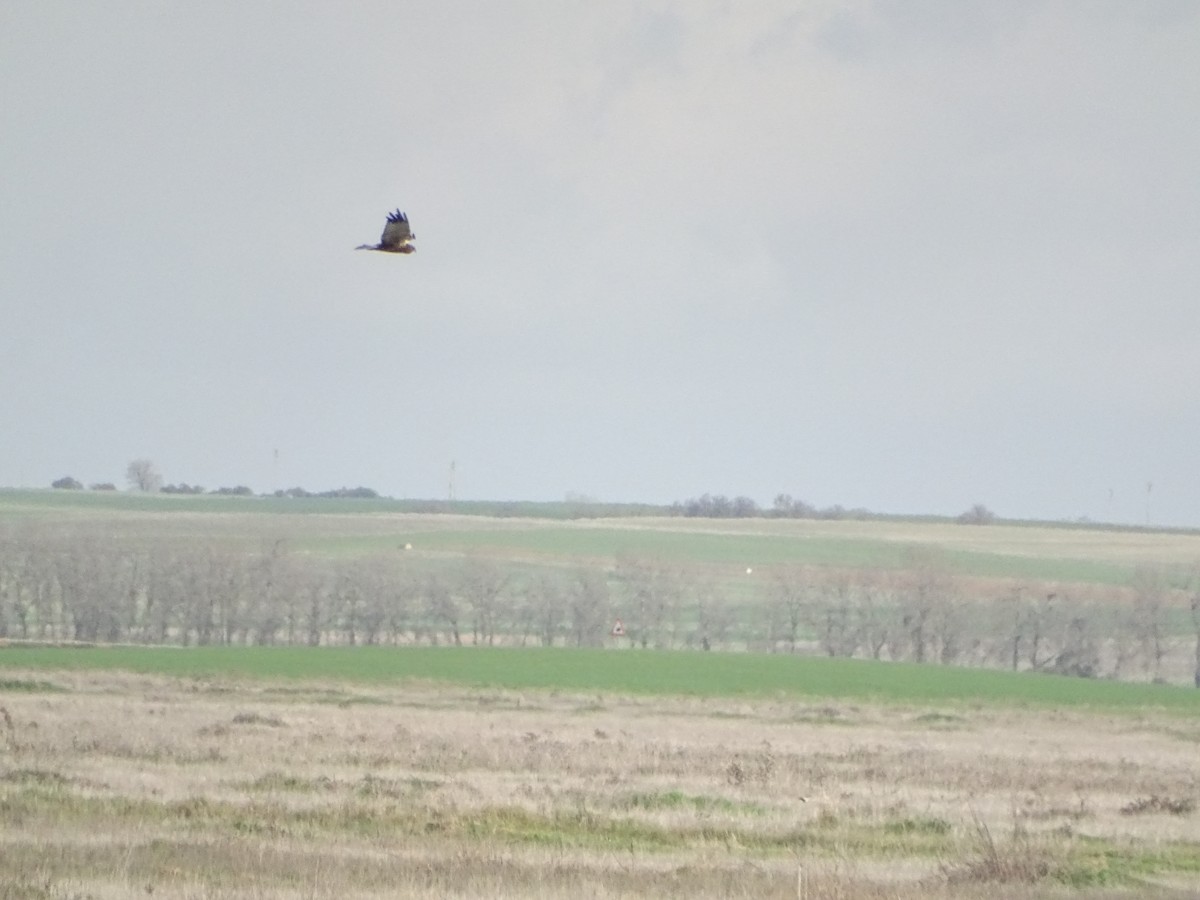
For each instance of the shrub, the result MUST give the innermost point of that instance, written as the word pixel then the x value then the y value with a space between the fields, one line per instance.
pixel 1176 806
pixel 977 515
pixel 182 488
pixel 1019 861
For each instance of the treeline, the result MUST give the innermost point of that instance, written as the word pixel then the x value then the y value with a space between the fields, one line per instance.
pixel 785 506
pixel 68 483
pixel 144 477
pixel 719 506
pixel 80 584
pixel 359 493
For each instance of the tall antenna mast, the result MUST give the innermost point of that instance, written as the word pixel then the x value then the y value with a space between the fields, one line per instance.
pixel 451 480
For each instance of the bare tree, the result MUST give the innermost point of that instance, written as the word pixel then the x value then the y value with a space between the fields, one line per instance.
pixel 142 475
pixel 442 607
pixel 977 515
pixel 89 573
pixel 1080 653
pixel 788 605
pixel 162 597
pixel 714 616
pixel 1043 619
pixel 403 590
pixel 589 608
pixel 373 577
pixel 546 601
pixel 1150 600
pixel 924 595
pixel 948 626
pixel 269 580
pixel 14 587
pixel 651 595
pixel 348 602
pixel 833 617
pixel 482 586
pixel 878 621
pixel 1013 615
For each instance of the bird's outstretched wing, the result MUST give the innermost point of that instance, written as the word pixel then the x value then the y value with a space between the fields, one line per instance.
pixel 397 233
pixel 397 236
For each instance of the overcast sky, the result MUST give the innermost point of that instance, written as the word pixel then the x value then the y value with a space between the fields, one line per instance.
pixel 908 256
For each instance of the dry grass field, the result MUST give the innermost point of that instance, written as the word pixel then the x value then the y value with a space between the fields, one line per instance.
pixel 115 785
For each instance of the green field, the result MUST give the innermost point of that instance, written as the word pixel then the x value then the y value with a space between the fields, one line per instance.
pixel 31 501
pixel 696 674
pixel 571 534
pixel 745 549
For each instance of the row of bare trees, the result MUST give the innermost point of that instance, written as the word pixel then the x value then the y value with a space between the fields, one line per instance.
pixel 84 585
pixel 927 614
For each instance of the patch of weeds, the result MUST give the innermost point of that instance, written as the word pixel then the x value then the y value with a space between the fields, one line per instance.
pixel 907 837
pixel 331 696
pixel 280 781
pixel 29 686
pixel 26 890
pixel 1045 813
pixel 394 788
pixel 499 701
pixel 680 800
pixel 361 700
pixel 1175 806
pixel 823 715
pixel 253 718
pixel 1177 856
pixel 585 829
pixel 827 819
pixel 931 825
pixel 589 706
pixel 297 693
pixel 940 720
pixel 1095 862
pixel 751 768
pixel 1017 861
pixel 1094 871
pixel 202 686
pixel 39 777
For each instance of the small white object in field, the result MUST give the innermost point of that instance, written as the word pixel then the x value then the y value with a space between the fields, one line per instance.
pixel 408 546
pixel 749 571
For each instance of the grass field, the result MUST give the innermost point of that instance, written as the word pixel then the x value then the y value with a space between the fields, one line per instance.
pixel 326 774
pixel 542 533
pixel 695 674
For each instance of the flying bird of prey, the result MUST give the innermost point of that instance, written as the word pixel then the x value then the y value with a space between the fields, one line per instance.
pixel 397 236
